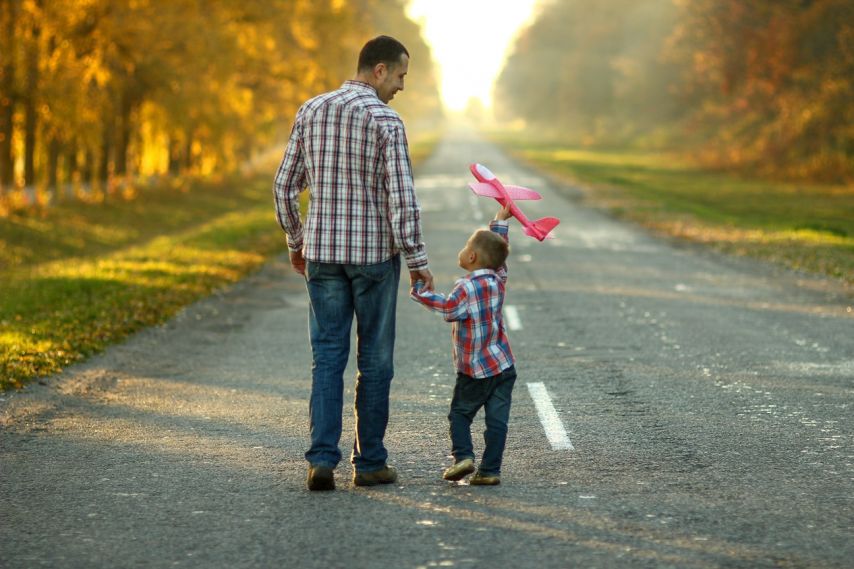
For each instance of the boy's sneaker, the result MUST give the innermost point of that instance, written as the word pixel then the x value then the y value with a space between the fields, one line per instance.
pixel 385 475
pixel 320 478
pixel 484 480
pixel 460 470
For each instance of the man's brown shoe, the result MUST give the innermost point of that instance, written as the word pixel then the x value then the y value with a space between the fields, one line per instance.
pixel 484 480
pixel 459 470
pixel 320 478
pixel 385 475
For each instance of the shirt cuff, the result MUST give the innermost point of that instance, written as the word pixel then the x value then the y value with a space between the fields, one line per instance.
pixel 499 226
pixel 294 243
pixel 417 262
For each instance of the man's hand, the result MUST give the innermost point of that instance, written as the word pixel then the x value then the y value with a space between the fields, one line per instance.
pixel 298 262
pixel 423 275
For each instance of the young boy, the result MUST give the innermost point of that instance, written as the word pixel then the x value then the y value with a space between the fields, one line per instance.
pixel 481 351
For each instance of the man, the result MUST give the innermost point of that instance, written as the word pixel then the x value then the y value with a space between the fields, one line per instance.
pixel 350 149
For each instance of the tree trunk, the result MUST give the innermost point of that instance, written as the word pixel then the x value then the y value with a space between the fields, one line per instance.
pixel 30 117
pixel 106 148
pixel 88 170
pixel 121 157
pixel 188 153
pixel 8 17
pixel 53 149
pixel 71 169
pixel 174 156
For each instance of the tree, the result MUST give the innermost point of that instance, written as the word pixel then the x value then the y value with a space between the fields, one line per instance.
pixel 107 90
pixel 759 85
pixel 771 82
pixel 8 50
pixel 592 70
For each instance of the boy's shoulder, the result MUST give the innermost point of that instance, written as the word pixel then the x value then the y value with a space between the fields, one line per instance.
pixel 483 278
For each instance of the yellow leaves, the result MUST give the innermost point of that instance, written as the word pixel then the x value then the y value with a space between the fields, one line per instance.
pixel 302 27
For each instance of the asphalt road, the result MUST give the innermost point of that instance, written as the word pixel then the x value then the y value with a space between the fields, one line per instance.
pixel 707 402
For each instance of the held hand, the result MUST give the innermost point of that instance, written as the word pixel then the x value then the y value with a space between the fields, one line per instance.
pixel 504 213
pixel 424 275
pixel 298 262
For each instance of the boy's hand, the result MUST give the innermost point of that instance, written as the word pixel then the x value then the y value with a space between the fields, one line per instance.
pixel 504 213
pixel 423 275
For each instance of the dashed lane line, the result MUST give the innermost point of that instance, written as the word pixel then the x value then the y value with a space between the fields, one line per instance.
pixel 552 424
pixel 511 315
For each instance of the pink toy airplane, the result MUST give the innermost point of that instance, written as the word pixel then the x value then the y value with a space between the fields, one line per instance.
pixel 488 185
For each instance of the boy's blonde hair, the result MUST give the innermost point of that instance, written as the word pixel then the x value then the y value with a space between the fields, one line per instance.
pixel 492 249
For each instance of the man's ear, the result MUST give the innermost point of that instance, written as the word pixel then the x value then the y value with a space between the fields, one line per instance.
pixel 380 70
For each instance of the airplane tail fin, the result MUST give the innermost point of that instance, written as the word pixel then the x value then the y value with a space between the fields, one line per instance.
pixel 541 228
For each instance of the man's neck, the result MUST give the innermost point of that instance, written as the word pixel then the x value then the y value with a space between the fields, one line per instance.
pixel 363 78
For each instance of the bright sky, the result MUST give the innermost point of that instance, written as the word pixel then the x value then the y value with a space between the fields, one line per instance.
pixel 469 40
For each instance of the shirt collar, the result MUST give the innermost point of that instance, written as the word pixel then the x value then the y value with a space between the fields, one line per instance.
pixel 359 86
pixel 482 273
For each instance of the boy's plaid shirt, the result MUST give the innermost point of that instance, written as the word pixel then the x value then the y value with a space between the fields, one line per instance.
pixel 480 345
pixel 350 149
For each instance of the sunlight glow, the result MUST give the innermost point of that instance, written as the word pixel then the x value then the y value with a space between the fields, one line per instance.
pixel 470 40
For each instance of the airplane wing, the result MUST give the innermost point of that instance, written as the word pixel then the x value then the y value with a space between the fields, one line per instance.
pixel 520 193
pixel 483 189
pixel 516 192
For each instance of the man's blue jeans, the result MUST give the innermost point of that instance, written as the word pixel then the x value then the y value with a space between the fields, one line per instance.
pixel 494 394
pixel 336 293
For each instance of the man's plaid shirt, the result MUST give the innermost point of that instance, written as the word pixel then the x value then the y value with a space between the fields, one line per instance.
pixel 480 345
pixel 350 149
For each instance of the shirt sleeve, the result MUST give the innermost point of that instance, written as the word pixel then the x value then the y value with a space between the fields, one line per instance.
pixel 452 308
pixel 289 182
pixel 404 210
pixel 502 228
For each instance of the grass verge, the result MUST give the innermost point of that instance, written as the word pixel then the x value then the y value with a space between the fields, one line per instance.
pixel 78 277
pixel 807 227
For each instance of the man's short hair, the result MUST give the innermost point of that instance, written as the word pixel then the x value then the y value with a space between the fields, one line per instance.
pixel 381 49
pixel 492 249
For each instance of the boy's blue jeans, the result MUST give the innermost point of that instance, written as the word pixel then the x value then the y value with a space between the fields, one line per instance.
pixel 494 395
pixel 336 293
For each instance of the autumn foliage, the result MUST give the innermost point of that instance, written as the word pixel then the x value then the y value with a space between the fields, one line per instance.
pixel 754 85
pixel 94 91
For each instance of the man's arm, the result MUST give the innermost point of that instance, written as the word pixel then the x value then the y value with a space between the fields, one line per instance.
pixel 287 185
pixel 404 210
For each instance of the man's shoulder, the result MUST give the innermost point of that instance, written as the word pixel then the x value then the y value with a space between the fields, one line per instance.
pixel 356 100
pixel 323 99
pixel 383 111
pixel 383 115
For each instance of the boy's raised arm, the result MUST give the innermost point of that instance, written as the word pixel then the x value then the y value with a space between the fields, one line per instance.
pixel 501 226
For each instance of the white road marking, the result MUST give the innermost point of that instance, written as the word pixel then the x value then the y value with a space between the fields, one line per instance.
pixel 512 316
pixel 548 417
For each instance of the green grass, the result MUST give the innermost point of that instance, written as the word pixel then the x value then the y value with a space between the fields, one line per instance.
pixel 77 277
pixel 803 226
